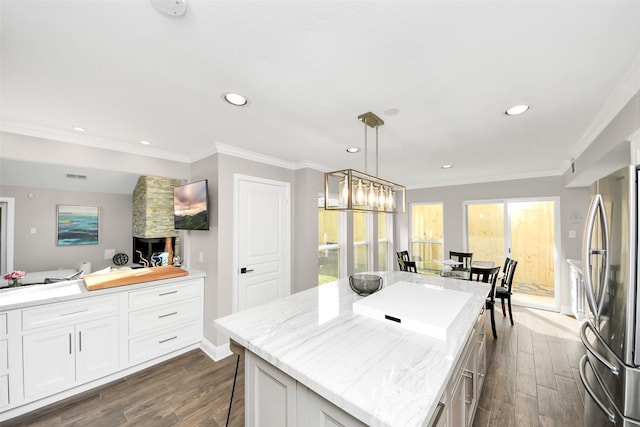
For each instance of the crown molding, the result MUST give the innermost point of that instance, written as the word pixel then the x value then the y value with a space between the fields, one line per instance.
pixel 307 164
pixel 91 141
pixel 628 86
pixel 492 178
pixel 261 158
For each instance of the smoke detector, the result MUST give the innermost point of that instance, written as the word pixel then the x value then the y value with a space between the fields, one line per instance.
pixel 170 7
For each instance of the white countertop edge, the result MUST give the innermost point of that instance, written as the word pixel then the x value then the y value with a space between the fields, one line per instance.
pixel 33 295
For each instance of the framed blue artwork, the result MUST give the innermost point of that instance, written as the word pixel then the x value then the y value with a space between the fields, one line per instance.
pixel 78 225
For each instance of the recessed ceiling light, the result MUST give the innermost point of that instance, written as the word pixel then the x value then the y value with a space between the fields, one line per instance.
pixel 145 142
pixel 446 166
pixel 392 111
pixel 353 150
pixel 516 109
pixel 78 129
pixel 235 99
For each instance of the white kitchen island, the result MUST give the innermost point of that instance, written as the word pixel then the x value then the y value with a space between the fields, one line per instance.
pixel 312 361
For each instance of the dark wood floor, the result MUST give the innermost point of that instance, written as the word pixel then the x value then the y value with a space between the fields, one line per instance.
pixel 532 380
pixel 189 390
pixel 532 377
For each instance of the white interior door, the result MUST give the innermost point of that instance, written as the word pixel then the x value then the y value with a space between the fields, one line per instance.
pixel 262 227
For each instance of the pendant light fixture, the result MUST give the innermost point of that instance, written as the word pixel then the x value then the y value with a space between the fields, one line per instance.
pixel 352 190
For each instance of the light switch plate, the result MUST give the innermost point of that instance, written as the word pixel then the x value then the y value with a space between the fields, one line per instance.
pixel 109 253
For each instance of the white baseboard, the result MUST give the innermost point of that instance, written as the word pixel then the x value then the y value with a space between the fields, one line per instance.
pixel 216 353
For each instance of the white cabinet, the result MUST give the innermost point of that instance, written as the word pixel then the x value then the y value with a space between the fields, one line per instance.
pixel 314 411
pixel 69 343
pixel 96 349
pixel 49 362
pixel 270 394
pixel 272 398
pixel 4 361
pixel 164 318
pixel 51 351
pixel 465 386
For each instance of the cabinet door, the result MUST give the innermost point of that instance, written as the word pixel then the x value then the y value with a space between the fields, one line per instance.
pixel 49 361
pixel 457 414
pixel 96 348
pixel 315 411
pixel 271 395
pixel 4 390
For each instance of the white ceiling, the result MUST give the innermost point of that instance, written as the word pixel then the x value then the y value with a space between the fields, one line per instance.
pixel 126 72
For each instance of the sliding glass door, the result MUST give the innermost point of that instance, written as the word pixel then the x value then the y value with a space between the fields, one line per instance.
pixel 524 230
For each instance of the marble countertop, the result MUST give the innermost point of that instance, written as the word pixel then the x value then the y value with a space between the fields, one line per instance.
pixel 32 295
pixel 376 371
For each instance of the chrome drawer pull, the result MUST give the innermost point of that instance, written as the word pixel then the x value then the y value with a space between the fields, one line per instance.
pixel 168 339
pixel 167 293
pixel 74 312
pixel 167 315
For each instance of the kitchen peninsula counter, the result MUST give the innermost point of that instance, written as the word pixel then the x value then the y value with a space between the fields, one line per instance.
pixel 376 371
pixel 32 295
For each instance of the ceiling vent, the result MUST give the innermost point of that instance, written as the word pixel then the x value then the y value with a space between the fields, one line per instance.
pixel 76 176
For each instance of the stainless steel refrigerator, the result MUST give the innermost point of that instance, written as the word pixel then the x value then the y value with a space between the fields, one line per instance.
pixel 610 369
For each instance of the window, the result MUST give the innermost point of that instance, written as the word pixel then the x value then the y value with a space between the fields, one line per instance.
pixel 526 231
pixel 360 242
pixel 330 254
pixel 384 241
pixel 427 235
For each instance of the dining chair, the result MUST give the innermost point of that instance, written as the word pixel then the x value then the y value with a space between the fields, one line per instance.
pixel 463 257
pixel 461 270
pixel 410 266
pixel 488 275
pixel 505 290
pixel 402 256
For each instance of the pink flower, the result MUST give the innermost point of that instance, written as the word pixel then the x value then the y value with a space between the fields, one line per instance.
pixel 16 274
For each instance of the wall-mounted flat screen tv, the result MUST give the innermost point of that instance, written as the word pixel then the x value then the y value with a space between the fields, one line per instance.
pixel 191 206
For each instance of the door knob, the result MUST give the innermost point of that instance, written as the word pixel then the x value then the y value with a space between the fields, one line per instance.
pixel 244 270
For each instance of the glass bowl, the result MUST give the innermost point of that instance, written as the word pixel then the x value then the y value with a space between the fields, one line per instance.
pixel 365 284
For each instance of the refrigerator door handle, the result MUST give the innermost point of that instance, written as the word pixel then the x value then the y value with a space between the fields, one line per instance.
pixel 595 207
pixel 615 370
pixel 587 387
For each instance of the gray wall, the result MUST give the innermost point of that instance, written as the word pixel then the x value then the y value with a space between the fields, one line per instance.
pixel 40 252
pixel 573 206
pixel 217 245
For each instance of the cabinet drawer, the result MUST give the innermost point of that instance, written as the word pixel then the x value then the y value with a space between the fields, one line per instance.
pixel 163 317
pixel 163 294
pixel 159 343
pixel 68 311
pixel 3 323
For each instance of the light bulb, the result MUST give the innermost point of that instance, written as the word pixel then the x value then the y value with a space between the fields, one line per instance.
pixel 371 195
pixel 381 199
pixel 344 190
pixel 391 203
pixel 359 193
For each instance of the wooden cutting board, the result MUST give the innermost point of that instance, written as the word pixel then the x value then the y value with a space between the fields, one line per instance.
pixel 129 277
